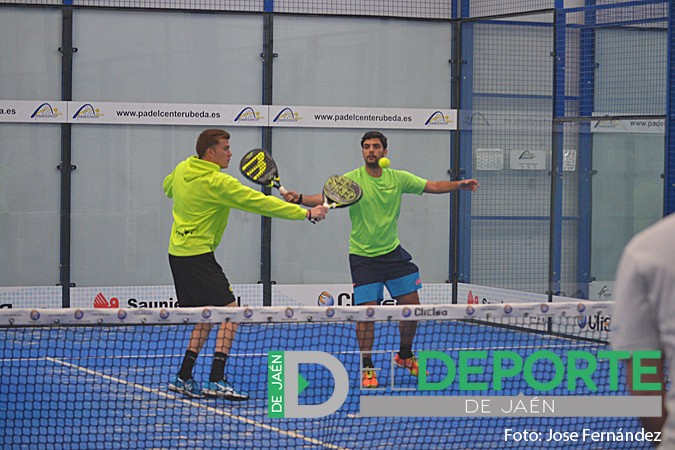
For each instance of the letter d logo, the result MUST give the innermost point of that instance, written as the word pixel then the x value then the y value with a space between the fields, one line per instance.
pixel 283 380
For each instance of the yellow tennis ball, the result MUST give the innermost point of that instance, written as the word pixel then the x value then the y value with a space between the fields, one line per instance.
pixel 384 162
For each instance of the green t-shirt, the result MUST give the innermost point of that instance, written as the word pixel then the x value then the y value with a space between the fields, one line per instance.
pixel 375 217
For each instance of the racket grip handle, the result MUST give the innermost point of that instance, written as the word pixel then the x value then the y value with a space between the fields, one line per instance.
pixel 282 190
pixel 329 205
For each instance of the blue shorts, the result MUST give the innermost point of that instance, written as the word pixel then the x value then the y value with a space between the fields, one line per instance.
pixel 395 270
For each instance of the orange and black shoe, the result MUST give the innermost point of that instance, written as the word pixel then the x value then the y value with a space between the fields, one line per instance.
pixel 369 380
pixel 408 363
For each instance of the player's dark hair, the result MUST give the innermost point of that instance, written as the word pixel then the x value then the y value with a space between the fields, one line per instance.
pixel 209 138
pixel 374 135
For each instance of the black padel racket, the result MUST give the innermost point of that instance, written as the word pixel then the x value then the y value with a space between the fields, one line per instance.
pixel 258 166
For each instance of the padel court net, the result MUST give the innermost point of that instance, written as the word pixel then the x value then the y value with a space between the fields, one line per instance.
pixel 94 379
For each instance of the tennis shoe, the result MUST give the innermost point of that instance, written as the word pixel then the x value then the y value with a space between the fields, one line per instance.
pixel 189 387
pixel 408 363
pixel 223 389
pixel 369 380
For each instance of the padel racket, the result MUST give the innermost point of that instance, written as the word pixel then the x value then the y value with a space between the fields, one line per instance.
pixel 340 192
pixel 258 166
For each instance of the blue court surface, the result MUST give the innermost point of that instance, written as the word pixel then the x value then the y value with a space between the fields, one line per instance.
pixel 106 388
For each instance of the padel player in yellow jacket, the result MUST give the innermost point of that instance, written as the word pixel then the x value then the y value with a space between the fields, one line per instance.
pixel 202 199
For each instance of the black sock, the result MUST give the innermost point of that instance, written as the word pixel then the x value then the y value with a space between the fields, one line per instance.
pixel 405 351
pixel 368 362
pixel 185 372
pixel 218 367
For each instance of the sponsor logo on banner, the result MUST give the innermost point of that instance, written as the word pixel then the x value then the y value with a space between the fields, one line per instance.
pixel 33 111
pixel 45 110
pixel 87 111
pixel 170 303
pixel 475 119
pixel 528 160
pixel 244 115
pixel 100 301
pixel 476 300
pixel 248 114
pixel 325 299
pixel 141 297
pixel 597 321
pixel 476 294
pixel 503 120
pixel 312 294
pixel 287 115
pixel 601 290
pixel 437 118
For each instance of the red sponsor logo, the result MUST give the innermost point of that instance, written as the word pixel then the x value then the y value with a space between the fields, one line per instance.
pixel 101 302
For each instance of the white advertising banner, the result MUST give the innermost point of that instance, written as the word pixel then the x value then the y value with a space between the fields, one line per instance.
pixel 33 111
pixel 348 117
pixel 94 112
pixel 163 296
pixel 166 114
pixel 312 294
pixel 30 297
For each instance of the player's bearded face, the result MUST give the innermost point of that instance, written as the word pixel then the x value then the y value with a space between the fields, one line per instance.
pixel 372 150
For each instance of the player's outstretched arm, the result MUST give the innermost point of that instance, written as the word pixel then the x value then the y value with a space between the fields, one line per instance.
pixel 443 187
pixel 305 200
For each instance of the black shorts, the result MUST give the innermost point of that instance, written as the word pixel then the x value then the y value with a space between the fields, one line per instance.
pixel 200 281
pixel 395 270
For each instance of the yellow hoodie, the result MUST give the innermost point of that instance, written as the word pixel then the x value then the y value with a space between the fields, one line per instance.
pixel 202 199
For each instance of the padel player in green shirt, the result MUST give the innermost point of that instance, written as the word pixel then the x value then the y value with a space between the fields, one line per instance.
pixel 376 257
